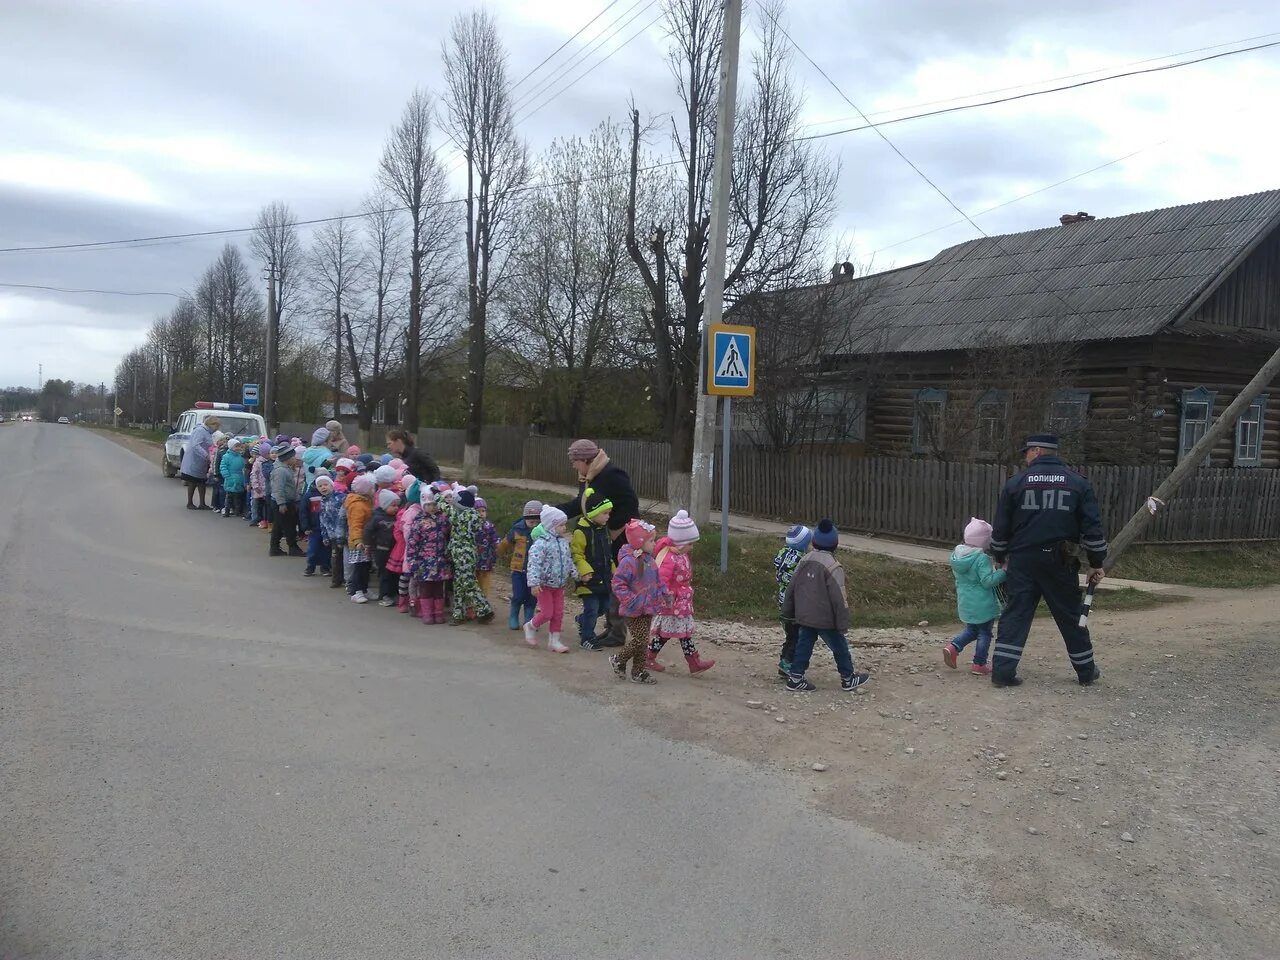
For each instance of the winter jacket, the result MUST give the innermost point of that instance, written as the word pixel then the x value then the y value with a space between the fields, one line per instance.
pixel 311 503
pixel 333 517
pixel 784 564
pixel 592 557
pixel 232 472
pixel 1047 504
pixel 379 537
pixel 516 545
pixel 675 570
pixel 486 547
pixel 268 468
pixel 464 533
pixel 611 483
pixel 397 563
pixel 215 463
pixel 976 580
pixel 427 548
pixel 636 584
pixel 195 456
pixel 258 479
pixel 419 463
pixel 359 510
pixel 816 597
pixel 550 563
pixel 285 488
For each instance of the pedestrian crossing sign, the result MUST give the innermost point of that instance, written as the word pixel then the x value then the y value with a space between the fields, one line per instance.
pixel 731 361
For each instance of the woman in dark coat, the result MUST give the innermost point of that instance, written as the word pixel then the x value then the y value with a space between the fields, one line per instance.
pixel 418 462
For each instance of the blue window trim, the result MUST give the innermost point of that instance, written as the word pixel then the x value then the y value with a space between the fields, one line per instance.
pixel 1256 461
pixel 1196 395
pixel 927 395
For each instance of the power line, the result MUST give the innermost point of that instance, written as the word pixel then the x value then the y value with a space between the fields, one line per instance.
pixel 547 59
pixel 868 125
pixel 643 30
pixel 1037 83
pixel 113 293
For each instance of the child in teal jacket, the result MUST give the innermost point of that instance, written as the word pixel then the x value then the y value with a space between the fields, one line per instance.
pixel 976 600
pixel 232 466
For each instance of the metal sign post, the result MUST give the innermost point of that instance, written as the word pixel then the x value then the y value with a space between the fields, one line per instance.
pixel 730 372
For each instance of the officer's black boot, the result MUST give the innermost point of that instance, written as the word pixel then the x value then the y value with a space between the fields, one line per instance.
pixel 1005 680
pixel 1088 676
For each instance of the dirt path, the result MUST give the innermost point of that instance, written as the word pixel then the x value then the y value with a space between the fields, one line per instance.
pixel 1031 792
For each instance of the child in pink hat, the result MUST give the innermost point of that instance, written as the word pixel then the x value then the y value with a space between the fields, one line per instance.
pixel 976 600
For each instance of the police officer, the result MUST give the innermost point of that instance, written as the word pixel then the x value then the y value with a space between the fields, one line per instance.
pixel 1043 513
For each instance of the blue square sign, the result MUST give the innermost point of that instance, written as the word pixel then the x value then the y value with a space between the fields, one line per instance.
pixel 249 396
pixel 731 361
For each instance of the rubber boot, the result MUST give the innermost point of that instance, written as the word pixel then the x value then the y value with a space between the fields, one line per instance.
pixel 402 604
pixel 651 662
pixel 513 620
pixel 440 613
pixel 696 663
pixel 554 644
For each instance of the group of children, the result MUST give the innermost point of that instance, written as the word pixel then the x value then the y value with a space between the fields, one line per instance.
pixel 430 549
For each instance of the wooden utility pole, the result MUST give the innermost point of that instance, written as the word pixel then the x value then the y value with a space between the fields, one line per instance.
pixel 1193 458
pixel 268 396
pixel 700 481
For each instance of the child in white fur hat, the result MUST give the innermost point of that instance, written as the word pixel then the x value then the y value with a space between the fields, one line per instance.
pixel 976 600
pixel 675 570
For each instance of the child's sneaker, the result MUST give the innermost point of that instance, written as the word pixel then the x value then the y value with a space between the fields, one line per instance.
pixel 589 644
pixel 619 668
pixel 799 684
pixel 359 598
pixel 309 572
pixel 642 676
pixel 949 653
pixel 530 634
pixel 386 602
pixel 980 670
pixel 855 681
pixel 784 670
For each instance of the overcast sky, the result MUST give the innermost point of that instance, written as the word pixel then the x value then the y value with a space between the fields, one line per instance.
pixel 132 118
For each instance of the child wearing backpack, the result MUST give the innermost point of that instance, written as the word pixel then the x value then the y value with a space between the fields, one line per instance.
pixel 976 601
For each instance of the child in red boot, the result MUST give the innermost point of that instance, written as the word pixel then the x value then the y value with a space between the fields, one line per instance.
pixel 427 553
pixel 675 617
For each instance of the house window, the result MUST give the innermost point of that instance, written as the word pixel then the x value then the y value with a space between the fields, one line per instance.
pixel 832 415
pixel 993 423
pixel 1249 434
pixel 927 424
pixel 1068 411
pixel 1197 411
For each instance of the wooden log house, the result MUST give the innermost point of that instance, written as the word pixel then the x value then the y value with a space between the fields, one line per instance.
pixel 1125 334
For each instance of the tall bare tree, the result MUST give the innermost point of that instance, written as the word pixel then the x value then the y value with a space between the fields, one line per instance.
pixel 336 266
pixel 782 203
pixel 274 243
pixel 411 172
pixel 567 296
pixel 479 118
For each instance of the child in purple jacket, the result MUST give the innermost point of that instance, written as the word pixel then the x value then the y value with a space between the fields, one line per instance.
pixel 640 595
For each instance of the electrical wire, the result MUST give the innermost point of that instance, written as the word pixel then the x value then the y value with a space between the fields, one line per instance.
pixel 113 293
pixel 868 125
pixel 549 57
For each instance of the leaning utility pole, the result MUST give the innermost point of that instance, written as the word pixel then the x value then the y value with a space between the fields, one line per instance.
pixel 1193 458
pixel 273 335
pixel 701 480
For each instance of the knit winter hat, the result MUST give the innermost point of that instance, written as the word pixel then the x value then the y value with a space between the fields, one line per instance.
pixel 406 480
pixel 480 504
pixel 324 484
pixel 281 438
pixel 799 537
pixel 583 450
pixel 218 436
pixel 385 458
pixel 283 451
pixel 388 498
pixel 532 509
pixel 319 437
pixel 414 493
pixel 682 530
pixel 353 451
pixel 235 445
pixel 322 472
pixel 826 537
pixel 551 517
pixel 638 533
pixel 296 441
pixel 365 458
pixel 264 448
pixel 396 462
pixel 363 485
pixel 466 499
pixel 597 504
pixel 384 474
pixel 977 533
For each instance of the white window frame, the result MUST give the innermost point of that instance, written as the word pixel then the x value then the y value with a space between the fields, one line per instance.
pixel 1248 451
pixel 1071 423
pixel 1000 400
pixel 1195 400
pixel 929 396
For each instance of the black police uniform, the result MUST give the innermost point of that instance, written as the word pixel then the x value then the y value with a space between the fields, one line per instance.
pixel 1042 511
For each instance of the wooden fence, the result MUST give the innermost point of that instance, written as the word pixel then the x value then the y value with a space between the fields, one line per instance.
pixel 501 447
pixel 931 500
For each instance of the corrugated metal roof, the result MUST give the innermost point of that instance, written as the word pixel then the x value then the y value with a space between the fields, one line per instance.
pixel 1104 279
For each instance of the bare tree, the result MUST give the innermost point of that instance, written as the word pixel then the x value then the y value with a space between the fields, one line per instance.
pixel 567 292
pixel 410 171
pixel 274 242
pixel 479 118
pixel 336 267
pixel 782 204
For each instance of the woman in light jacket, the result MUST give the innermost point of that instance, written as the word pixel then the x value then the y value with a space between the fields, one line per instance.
pixel 195 460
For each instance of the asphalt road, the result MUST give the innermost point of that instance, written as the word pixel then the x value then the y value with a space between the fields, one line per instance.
pixel 206 755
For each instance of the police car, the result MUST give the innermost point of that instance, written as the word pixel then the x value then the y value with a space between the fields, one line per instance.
pixel 236 421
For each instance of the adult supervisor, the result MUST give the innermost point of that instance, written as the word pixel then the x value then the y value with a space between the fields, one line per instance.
pixel 418 462
pixel 597 473
pixel 194 469
pixel 1044 512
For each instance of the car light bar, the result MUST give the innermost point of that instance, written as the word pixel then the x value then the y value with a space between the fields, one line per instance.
pixel 209 405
